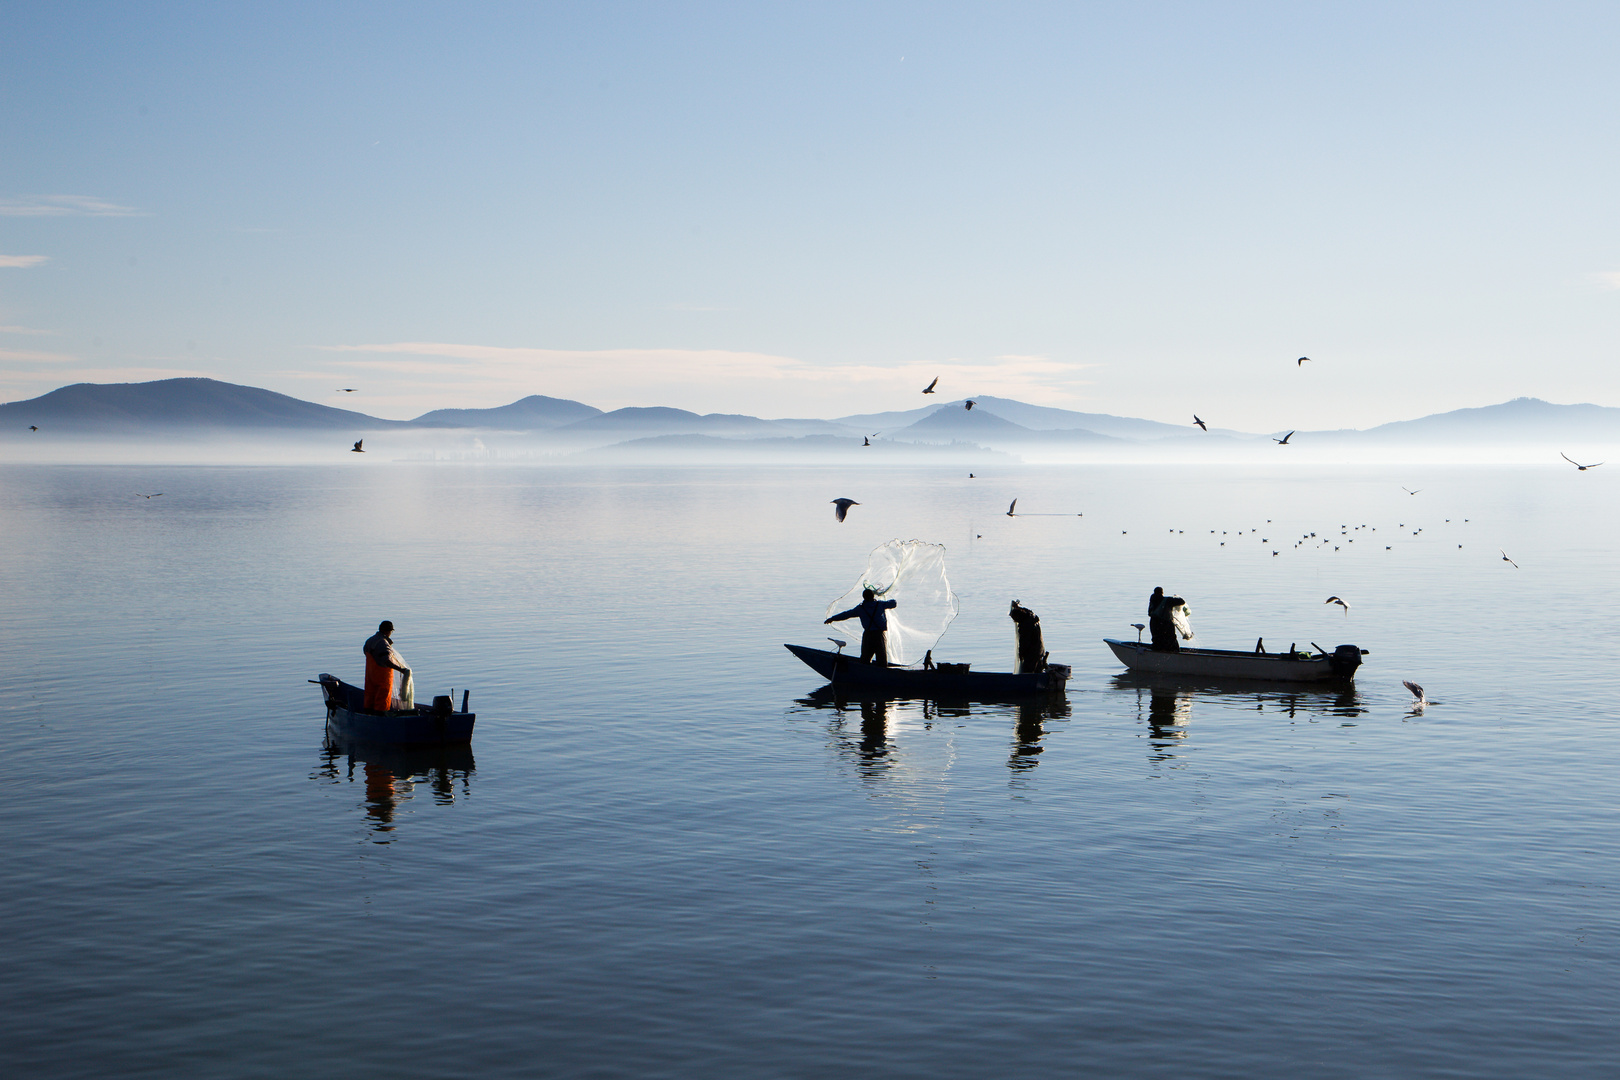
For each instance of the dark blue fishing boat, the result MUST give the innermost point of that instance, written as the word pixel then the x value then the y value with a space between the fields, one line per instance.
pixel 941 681
pixel 426 725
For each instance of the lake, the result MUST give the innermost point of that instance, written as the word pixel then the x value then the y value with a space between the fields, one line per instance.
pixel 665 855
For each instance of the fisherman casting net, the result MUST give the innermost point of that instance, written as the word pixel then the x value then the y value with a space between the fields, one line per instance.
pixel 1181 619
pixel 911 573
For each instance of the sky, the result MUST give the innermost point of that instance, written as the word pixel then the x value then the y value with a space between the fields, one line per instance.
pixel 1147 209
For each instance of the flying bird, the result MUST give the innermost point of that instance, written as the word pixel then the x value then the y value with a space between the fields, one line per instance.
pixel 1508 560
pixel 929 389
pixel 143 495
pixel 1409 491
pixel 357 448
pixel 1301 361
pixel 1341 603
pixel 1199 422
pixel 968 405
pixel 1010 507
pixel 1417 692
pixel 33 427
pixel 1577 464
pixel 347 390
pixel 842 507
pixel 1284 440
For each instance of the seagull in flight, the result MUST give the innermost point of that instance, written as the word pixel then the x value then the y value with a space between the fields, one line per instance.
pixel 842 507
pixel 33 427
pixel 1577 464
pixel 968 405
pixel 1417 692
pixel 1341 603
pixel 866 440
pixel 1409 491
pixel 1284 440
pixel 347 390
pixel 929 389
pixel 1199 422
pixel 357 448
pixel 1010 507
pixel 1302 361
pixel 1508 560
pixel 143 495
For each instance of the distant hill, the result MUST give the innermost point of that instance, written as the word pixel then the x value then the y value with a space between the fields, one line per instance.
pixel 656 421
pixel 982 426
pixel 86 408
pixel 1033 417
pixel 532 413
pixel 1523 419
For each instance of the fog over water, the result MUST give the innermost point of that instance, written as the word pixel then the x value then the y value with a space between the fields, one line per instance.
pixel 666 854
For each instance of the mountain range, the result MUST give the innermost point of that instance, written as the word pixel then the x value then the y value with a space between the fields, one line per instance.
pixel 198 406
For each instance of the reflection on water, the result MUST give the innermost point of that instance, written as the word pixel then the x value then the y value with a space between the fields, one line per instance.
pixel 878 749
pixel 1165 703
pixel 390 776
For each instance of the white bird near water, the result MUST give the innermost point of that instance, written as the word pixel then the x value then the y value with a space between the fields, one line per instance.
pixel 1341 603
pixel 1417 692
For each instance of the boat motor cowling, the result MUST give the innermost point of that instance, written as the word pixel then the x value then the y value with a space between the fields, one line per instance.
pixel 1345 660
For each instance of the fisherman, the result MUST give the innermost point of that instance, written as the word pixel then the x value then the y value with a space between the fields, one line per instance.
pixel 874 626
pixel 1161 620
pixel 382 660
pixel 1029 651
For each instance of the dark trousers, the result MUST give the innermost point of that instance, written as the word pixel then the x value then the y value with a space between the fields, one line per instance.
pixel 1164 635
pixel 874 648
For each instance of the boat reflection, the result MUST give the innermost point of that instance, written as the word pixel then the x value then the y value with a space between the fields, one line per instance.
pixel 882 719
pixel 1169 699
pixel 390 776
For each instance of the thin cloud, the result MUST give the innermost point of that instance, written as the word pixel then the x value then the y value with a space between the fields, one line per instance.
pixel 702 379
pixel 1609 279
pixel 36 357
pixel 65 206
pixel 25 330
pixel 22 262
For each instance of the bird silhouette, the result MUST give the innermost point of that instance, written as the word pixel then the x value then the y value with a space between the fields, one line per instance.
pixel 1011 506
pixel 1301 361
pixel 1409 491
pixel 1417 692
pixel 929 389
pixel 842 507
pixel 1284 440
pixel 968 405
pixel 347 390
pixel 33 427
pixel 1577 464
pixel 1199 422
pixel 357 447
pixel 143 495
pixel 1508 560
pixel 1341 603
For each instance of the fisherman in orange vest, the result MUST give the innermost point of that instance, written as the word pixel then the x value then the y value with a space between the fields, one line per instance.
pixel 381 662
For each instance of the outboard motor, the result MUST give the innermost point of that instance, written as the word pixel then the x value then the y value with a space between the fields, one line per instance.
pixel 441 705
pixel 1345 660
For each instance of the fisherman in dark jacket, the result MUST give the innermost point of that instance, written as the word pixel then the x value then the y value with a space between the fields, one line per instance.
pixel 874 626
pixel 1161 620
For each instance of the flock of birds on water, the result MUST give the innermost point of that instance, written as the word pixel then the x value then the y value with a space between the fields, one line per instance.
pixel 841 507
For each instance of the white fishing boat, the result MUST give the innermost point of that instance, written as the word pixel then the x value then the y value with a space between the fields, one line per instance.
pixel 1338 666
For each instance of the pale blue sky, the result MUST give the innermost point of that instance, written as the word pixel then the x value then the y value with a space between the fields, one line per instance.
pixel 1145 209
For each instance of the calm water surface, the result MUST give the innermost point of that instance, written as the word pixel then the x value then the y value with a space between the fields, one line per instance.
pixel 665 855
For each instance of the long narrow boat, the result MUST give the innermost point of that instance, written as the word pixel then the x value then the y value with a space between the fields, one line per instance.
pixel 946 680
pixel 1338 666
pixel 432 725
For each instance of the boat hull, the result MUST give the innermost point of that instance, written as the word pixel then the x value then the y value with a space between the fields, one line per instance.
pixel 345 719
pixel 846 672
pixel 1139 656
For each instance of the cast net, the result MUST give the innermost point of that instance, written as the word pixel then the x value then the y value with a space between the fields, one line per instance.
pixel 911 573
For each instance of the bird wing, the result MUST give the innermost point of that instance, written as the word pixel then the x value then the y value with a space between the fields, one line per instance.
pixel 1569 459
pixel 929 389
pixel 1417 691
pixel 1010 507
